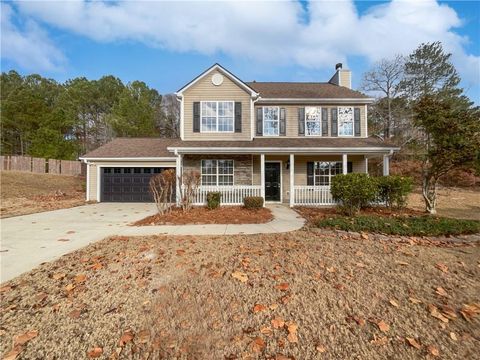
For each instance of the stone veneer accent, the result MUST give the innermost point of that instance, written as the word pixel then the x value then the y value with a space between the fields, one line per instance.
pixel 242 165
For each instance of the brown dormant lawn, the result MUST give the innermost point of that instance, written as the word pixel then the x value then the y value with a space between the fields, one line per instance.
pixel 27 193
pixel 301 295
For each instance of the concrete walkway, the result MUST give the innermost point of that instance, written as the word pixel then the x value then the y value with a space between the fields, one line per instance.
pixel 29 240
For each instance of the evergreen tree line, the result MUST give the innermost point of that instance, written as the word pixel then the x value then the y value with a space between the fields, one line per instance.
pixel 44 118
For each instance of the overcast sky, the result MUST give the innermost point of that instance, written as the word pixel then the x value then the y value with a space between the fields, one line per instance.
pixel 166 44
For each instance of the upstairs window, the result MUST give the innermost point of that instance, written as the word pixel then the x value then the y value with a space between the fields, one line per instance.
pixel 217 116
pixel 313 121
pixel 217 172
pixel 271 120
pixel 345 121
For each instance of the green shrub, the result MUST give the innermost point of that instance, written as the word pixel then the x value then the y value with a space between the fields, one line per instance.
pixel 213 200
pixel 393 190
pixel 253 202
pixel 353 191
pixel 405 226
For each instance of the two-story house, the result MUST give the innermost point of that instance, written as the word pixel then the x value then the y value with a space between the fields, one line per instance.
pixel 283 141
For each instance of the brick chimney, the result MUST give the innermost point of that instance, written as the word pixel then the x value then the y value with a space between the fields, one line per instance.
pixel 342 77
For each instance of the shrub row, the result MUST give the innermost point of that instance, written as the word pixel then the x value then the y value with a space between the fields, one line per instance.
pixel 250 202
pixel 404 226
pixel 355 191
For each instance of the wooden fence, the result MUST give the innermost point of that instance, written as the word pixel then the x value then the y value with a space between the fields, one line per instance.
pixel 42 166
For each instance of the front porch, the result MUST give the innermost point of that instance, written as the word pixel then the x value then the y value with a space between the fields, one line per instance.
pixel 296 179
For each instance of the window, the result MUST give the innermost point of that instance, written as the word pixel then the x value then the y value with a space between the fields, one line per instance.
pixel 217 116
pixel 271 122
pixel 313 121
pixel 345 121
pixel 325 170
pixel 217 172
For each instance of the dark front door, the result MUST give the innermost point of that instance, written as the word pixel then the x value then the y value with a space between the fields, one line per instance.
pixel 273 184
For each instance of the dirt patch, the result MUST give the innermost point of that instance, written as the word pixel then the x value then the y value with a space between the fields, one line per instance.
pixel 301 295
pixel 27 193
pixel 202 215
pixel 452 202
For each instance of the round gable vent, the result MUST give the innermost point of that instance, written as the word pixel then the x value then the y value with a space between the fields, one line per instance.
pixel 217 79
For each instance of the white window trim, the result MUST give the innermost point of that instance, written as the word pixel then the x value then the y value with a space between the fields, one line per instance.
pixel 353 122
pixel 329 172
pixel 217 174
pixel 320 121
pixel 216 116
pixel 263 120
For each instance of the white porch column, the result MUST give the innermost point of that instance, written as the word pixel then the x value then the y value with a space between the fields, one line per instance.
pixel 88 182
pixel 344 164
pixel 366 165
pixel 292 180
pixel 262 177
pixel 178 175
pixel 386 165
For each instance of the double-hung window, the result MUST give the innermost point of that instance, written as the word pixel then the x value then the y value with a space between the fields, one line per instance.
pixel 217 172
pixel 325 170
pixel 313 121
pixel 217 116
pixel 345 121
pixel 271 120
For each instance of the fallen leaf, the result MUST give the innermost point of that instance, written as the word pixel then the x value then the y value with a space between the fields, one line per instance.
pixel 22 339
pixel 259 307
pixel 414 301
pixel 266 330
pixel 441 291
pixel 278 322
pixel 80 278
pixel 364 236
pixel 63 240
pixel 383 326
pixel 433 350
pixel 71 232
pixel 321 348
pixel 413 342
pixel 273 306
pixel 330 269
pixel 5 288
pixel 292 337
pixel 41 296
pixel 258 345
pixel 69 288
pixel 291 327
pixel 282 287
pixel 75 314
pixel 126 338
pixel 453 336
pixel 58 276
pixel 12 354
pixel 403 263
pixel 436 314
pixel 469 311
pixel 143 336
pixel 379 341
pixel 448 312
pixel 442 267
pixel 394 303
pixel 95 352
pixel 240 276
pixel 96 266
pixel 359 321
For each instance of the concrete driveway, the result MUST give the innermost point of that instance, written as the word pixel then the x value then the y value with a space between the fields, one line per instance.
pixel 29 240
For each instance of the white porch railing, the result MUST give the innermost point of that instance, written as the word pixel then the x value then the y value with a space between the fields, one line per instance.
pixel 313 195
pixel 231 195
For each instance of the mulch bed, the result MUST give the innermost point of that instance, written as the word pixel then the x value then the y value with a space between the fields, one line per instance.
pixel 299 295
pixel 202 215
pixel 312 214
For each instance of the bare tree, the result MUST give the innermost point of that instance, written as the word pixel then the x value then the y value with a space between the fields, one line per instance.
pixel 384 79
pixel 189 182
pixel 169 124
pixel 162 187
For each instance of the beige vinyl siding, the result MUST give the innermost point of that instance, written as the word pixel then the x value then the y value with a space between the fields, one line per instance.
pixel 292 118
pixel 94 180
pixel 204 90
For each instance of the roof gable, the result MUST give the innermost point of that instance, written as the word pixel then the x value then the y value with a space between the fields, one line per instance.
pixel 227 73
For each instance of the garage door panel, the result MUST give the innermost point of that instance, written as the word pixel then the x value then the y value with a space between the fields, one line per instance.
pixel 127 184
